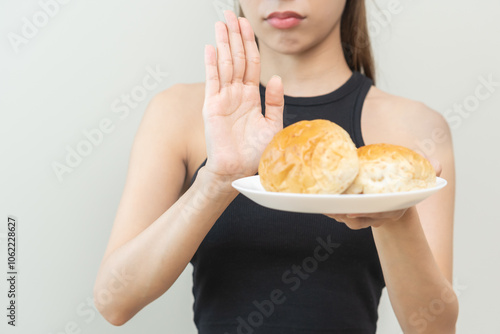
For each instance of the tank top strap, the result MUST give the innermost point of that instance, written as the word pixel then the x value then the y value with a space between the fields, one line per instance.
pixel 358 107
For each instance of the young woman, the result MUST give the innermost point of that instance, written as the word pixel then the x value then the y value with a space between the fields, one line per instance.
pixel 258 270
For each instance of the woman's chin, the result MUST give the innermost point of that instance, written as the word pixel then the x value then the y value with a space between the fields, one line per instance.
pixel 287 46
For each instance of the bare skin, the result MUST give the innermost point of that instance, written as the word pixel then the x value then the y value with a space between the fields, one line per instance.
pixel 161 220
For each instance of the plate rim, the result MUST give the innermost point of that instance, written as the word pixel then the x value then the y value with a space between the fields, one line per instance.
pixel 440 183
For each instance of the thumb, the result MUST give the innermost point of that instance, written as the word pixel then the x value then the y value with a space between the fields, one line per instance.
pixel 275 100
pixel 437 166
pixel 434 162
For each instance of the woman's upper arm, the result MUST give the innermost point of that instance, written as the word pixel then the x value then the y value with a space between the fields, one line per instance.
pixel 427 132
pixel 437 212
pixel 400 121
pixel 156 170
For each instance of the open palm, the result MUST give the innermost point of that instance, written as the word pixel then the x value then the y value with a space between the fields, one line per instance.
pixel 236 132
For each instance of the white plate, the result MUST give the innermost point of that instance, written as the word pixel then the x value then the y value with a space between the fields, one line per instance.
pixel 335 203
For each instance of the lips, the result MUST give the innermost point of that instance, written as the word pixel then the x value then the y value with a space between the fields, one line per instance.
pixel 284 20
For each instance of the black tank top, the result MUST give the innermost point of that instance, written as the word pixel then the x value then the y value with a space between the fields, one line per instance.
pixel 261 270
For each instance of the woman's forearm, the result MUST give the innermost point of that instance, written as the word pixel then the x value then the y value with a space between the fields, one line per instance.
pixel 422 297
pixel 145 267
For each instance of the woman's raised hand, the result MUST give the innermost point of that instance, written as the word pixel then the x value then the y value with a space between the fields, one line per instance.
pixel 236 132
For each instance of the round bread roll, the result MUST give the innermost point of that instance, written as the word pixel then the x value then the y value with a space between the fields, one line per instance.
pixel 385 168
pixel 310 157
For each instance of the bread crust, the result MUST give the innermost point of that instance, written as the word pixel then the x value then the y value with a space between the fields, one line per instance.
pixel 386 168
pixel 313 157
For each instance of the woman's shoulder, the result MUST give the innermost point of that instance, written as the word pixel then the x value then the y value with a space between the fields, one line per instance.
pixel 178 109
pixel 399 120
pixel 401 109
pixel 180 105
pixel 187 96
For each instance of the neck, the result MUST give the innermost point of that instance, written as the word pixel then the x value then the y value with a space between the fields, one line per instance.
pixel 317 71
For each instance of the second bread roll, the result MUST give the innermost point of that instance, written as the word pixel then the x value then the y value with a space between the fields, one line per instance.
pixel 386 168
pixel 315 157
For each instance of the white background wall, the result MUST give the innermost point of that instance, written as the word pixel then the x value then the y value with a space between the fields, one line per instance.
pixel 64 79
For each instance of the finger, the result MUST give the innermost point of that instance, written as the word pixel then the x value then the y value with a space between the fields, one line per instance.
pixel 211 74
pixel 437 166
pixel 434 162
pixel 337 217
pixel 236 46
pixel 252 68
pixel 377 215
pixel 275 100
pixel 357 225
pixel 224 62
pixel 353 224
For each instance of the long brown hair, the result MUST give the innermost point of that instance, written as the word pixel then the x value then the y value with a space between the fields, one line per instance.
pixel 354 38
